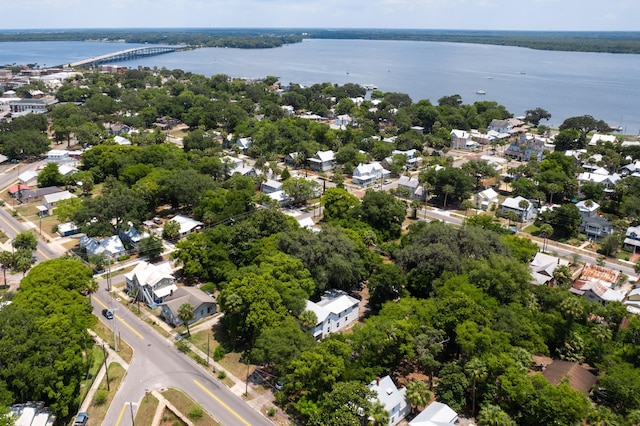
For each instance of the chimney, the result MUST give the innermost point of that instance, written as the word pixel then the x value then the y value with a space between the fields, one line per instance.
pixel 377 381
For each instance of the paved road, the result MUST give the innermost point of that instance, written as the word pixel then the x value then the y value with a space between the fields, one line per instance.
pixel 157 364
pixel 12 227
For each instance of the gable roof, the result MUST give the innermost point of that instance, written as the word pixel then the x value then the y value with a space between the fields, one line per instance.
pixel 191 295
pixel 186 223
pixel 388 393
pixel 325 156
pixel 435 414
pixel 514 203
pixel 150 274
pixel 579 377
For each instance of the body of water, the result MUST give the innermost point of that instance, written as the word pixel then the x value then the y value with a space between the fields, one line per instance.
pixel 566 84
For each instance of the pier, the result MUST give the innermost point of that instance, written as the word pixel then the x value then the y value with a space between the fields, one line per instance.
pixel 127 54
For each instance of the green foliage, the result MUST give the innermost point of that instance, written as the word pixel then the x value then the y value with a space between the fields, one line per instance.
pixel 100 397
pixel 222 374
pixel 195 412
pixel 384 212
pixel 171 230
pixel 219 353
pixel 50 176
pixel 151 246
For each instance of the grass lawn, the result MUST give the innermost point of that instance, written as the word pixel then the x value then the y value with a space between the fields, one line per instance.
pixel 97 357
pixel 103 396
pixel 186 406
pixel 146 410
pixel 106 334
pixel 531 229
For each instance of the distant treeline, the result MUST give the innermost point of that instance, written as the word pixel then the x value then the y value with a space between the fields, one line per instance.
pixel 247 38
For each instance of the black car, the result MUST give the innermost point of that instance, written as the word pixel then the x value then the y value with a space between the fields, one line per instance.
pixel 107 314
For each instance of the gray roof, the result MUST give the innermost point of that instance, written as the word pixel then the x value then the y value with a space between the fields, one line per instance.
pixel 191 295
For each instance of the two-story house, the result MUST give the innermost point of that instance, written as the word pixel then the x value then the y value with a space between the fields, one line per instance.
pixel 367 174
pixel 335 311
pixel 393 399
pixel 323 161
pixel 461 139
pixel 150 283
pixel 592 225
pixel 521 206
pixel 412 187
pixel 632 238
pixel 526 147
pixel 500 126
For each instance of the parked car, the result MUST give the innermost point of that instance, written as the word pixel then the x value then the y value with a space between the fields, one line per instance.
pixel 387 181
pixel 81 419
pixel 107 314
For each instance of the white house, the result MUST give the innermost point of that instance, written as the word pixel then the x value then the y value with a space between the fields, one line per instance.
pixel 627 169
pixel 598 137
pixel 366 174
pixel 412 156
pixel 632 238
pixel 112 246
pixel 58 155
pixel 323 161
pixel 244 144
pixel 393 399
pixel 335 311
pixel 187 225
pixel 461 139
pixel 150 283
pixel 600 175
pixel 543 266
pixel 27 177
pixel 203 304
pixel 50 201
pixel 484 199
pixel 435 414
pixel 411 184
pixel 500 126
pixel 513 204
pixel 132 236
pixel 269 186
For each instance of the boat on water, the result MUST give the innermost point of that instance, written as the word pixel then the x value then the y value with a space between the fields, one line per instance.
pixel 480 92
pixel 370 86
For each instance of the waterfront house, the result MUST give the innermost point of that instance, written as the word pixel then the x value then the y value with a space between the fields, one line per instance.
pixel 393 399
pixel 526 147
pixel 461 139
pixel 500 126
pixel 203 304
pixel 598 137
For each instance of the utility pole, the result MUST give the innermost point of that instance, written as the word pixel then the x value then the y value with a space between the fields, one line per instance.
pixel 132 418
pixel 106 367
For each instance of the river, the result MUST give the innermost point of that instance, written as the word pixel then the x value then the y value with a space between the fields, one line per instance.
pixel 566 84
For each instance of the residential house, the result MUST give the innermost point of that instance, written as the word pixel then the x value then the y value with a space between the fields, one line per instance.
pixel 335 311
pixel 598 137
pixel 117 129
pixel 132 236
pixel 461 139
pixel 280 197
pixel 150 283
pixel 633 301
pixel 366 174
pixel 576 375
pixel 203 304
pixel 68 228
pixel 288 110
pixel 16 189
pixel 412 187
pixel 632 238
pixel 187 224
pixel 500 126
pixel 525 212
pixel 269 186
pixel 323 161
pixel 412 156
pixel 111 247
pixel 27 177
pixel 29 195
pixel 343 120
pixel 598 284
pixel 418 129
pixel 37 106
pixel 526 147
pixel 244 144
pixel 592 225
pixel 484 199
pixel 66 170
pixel 393 399
pixel 295 159
pixel 32 414
pixel 543 266
pixel 51 200
pixel 58 156
pixel 600 175
pixel 435 414
pixel 629 169
pixel 121 140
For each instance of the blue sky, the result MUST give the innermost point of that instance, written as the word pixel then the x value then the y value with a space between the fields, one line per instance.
pixel 562 15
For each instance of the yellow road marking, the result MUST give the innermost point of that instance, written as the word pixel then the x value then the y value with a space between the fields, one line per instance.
pixel 18 231
pixel 221 403
pixel 119 318
pixel 121 413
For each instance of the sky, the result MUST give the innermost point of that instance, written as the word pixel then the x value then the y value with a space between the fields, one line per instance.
pixel 543 15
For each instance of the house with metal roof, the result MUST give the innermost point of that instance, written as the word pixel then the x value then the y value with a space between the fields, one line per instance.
pixel 323 161
pixel 435 414
pixel 150 283
pixel 335 311
pixel 393 399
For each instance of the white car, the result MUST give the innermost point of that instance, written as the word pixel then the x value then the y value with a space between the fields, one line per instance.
pixel 386 182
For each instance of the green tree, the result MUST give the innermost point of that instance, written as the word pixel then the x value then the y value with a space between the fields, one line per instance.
pixel 477 370
pixel 379 416
pixel 534 116
pixel 545 231
pixel 418 394
pixel 339 204
pixel 308 319
pixel 50 176
pixel 25 240
pixel 300 190
pixel 386 283
pixel 493 415
pixel 383 212
pixel 65 209
pixel 171 230
pixel 186 313
pixel 6 261
pixel 151 246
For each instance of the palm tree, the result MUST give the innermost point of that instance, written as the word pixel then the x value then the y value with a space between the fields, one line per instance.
pixel 415 205
pixel 378 416
pixel 524 205
pixel 466 206
pixel 545 232
pixel 446 190
pixel 308 319
pixel 186 314
pixel 478 372
pixel 511 217
pixel 6 260
pixel 493 415
pixel 418 394
pixel 553 188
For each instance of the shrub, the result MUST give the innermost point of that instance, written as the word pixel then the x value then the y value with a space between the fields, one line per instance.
pixel 182 346
pixel 222 374
pixel 271 412
pixel 218 353
pixel 123 257
pixel 100 397
pixel 195 412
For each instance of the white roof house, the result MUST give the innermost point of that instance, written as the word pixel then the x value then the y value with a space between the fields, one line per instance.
pixel 435 414
pixel 335 311
pixel 151 282
pixel 513 204
pixel 187 224
pixel 111 246
pixel 393 399
pixel 597 137
pixel 485 198
pixel 366 174
pixel 27 176
pixel 50 201
pixel 542 267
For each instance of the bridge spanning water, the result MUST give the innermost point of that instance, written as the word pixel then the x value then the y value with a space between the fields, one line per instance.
pixel 126 54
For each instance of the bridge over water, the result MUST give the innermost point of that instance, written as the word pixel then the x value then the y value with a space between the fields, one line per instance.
pixel 124 55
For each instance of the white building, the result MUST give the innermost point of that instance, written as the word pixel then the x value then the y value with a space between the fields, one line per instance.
pixel 435 414
pixel 187 225
pixel 366 174
pixel 335 311
pixel 51 200
pixel 393 399
pixel 150 283
pixel 513 204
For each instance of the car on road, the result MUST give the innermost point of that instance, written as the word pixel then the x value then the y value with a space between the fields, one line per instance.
pixel 107 314
pixel 377 185
pixel 386 182
pixel 81 419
